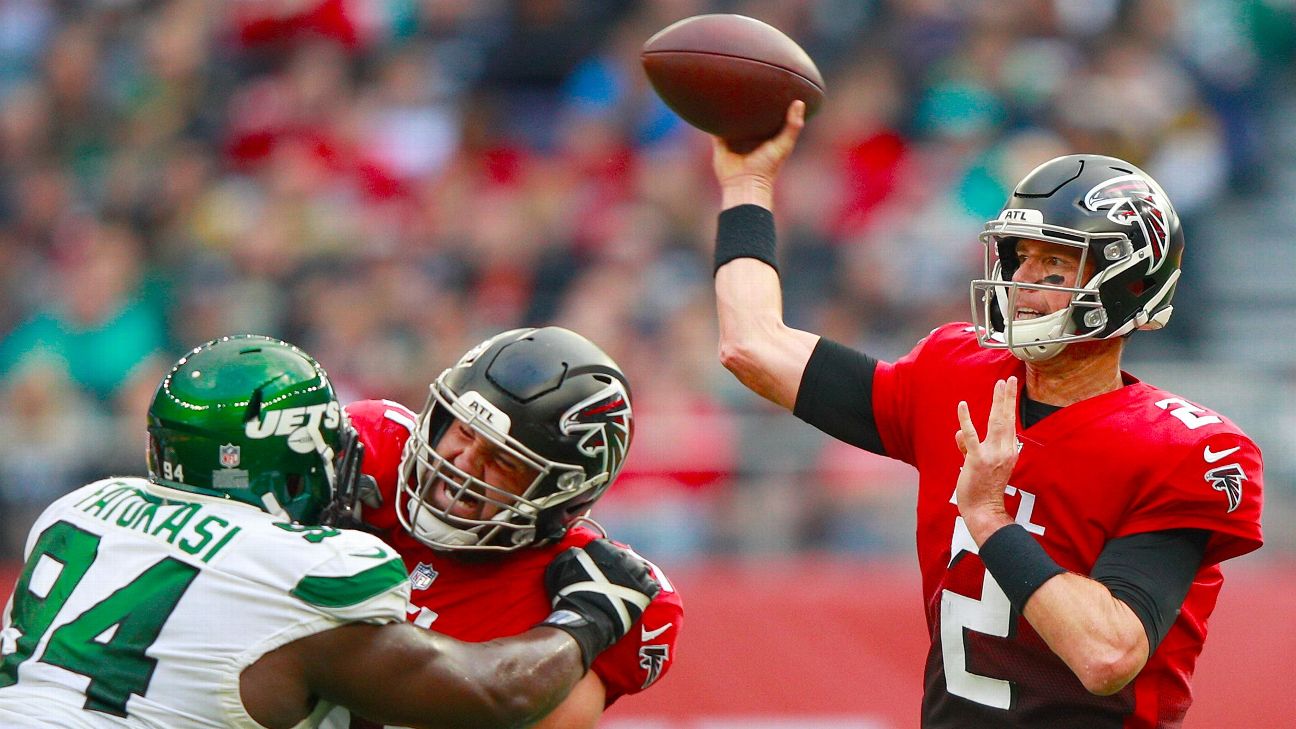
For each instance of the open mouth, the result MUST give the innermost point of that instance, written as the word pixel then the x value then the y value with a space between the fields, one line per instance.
pixel 1023 313
pixel 450 498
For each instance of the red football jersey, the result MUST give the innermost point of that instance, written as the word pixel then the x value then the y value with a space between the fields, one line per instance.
pixel 1135 460
pixel 481 597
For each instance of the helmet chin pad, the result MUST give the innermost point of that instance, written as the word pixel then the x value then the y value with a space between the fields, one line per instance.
pixel 1024 336
pixel 1031 340
pixel 427 523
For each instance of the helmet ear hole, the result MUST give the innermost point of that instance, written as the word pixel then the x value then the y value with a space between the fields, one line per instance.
pixel 293 485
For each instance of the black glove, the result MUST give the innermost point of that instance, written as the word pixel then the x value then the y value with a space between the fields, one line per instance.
pixel 352 489
pixel 598 594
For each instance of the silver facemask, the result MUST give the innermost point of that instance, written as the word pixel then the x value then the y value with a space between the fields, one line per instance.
pixel 1083 319
pixel 423 470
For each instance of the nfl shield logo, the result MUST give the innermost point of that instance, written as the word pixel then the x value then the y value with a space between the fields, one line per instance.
pixel 229 455
pixel 422 576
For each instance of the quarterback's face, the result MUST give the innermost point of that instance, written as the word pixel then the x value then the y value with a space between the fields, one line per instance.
pixel 1040 262
pixel 478 457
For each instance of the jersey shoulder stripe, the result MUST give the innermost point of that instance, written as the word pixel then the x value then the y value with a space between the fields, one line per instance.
pixel 347 590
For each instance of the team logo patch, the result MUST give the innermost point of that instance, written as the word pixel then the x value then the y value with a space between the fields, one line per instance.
pixel 652 659
pixel 1130 200
pixel 1229 480
pixel 603 419
pixel 422 576
pixel 230 455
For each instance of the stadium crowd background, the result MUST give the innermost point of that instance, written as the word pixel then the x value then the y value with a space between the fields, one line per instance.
pixel 386 182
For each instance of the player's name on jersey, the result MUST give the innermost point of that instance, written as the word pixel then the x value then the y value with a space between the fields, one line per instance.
pixel 184 525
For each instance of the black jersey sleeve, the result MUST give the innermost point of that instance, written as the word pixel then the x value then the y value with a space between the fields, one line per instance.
pixel 836 395
pixel 1151 572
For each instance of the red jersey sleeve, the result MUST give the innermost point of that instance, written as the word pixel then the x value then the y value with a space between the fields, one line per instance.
pixel 1217 486
pixel 647 652
pixel 383 427
pixel 894 392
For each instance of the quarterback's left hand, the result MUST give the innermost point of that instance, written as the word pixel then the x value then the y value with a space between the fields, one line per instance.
pixel 987 464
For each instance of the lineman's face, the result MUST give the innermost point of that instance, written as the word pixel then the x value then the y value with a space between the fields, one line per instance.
pixel 477 456
pixel 1041 262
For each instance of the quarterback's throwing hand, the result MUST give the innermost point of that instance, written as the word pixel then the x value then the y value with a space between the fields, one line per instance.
pixel 987 464
pixel 598 592
pixel 760 166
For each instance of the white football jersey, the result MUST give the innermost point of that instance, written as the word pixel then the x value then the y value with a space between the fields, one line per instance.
pixel 139 606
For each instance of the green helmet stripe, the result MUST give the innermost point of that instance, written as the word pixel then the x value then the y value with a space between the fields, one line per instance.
pixel 336 592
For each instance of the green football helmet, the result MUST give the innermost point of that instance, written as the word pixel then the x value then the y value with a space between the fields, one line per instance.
pixel 251 419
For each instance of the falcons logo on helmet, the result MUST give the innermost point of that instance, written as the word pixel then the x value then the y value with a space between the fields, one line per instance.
pixel 1132 201
pixel 1229 480
pixel 604 420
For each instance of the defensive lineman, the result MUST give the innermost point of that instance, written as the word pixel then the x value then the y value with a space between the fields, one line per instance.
pixel 209 595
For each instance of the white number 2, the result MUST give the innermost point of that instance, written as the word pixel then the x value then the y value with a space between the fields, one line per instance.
pixel 1187 412
pixel 991 615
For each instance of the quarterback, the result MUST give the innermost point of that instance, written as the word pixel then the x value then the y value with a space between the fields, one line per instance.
pixel 210 595
pixel 1071 518
pixel 494 477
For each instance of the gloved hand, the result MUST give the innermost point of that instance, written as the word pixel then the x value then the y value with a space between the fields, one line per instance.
pixel 599 593
pixel 352 490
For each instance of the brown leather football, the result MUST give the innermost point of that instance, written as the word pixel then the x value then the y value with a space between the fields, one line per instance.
pixel 731 76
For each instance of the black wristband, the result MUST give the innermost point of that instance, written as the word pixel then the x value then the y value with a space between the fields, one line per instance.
pixel 745 231
pixel 1018 563
pixel 592 638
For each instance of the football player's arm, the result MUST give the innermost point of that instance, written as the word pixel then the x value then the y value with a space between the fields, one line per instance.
pixel 582 708
pixel 404 675
pixel 756 345
pixel 1104 627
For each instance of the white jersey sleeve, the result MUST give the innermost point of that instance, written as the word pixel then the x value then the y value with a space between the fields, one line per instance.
pixel 140 606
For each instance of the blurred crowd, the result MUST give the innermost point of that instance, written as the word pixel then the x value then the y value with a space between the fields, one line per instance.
pixel 386 182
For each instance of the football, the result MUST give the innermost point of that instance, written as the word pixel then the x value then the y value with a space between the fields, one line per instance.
pixel 731 76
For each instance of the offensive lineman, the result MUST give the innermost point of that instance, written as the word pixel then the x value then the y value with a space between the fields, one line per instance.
pixel 209 595
pixel 493 478
pixel 1070 550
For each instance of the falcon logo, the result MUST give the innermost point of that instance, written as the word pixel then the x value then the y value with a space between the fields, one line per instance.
pixel 1229 480
pixel 652 658
pixel 604 420
pixel 1132 201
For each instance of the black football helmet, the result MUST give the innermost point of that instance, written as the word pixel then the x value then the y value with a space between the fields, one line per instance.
pixel 550 399
pixel 1127 232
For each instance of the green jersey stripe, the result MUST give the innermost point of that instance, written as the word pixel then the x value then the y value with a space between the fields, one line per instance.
pixel 336 592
